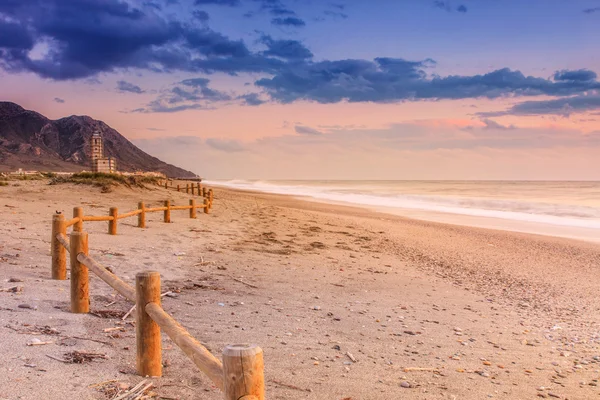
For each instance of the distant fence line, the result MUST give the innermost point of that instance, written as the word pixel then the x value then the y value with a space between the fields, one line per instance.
pixel 240 373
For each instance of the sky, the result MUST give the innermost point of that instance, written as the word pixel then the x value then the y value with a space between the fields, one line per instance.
pixel 319 89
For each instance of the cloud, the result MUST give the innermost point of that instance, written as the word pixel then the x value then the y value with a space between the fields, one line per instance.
pixel 123 86
pixel 230 3
pixel 228 146
pixel 155 129
pixel 447 6
pixel 78 40
pixel 287 49
pixel 194 95
pixel 200 15
pixel 490 124
pixel 591 10
pixel 391 80
pixel 306 130
pixel 289 21
pixel 563 106
pixel 14 36
pixel 580 75
pixel 160 107
pixel 195 82
pixel 58 100
pixel 251 99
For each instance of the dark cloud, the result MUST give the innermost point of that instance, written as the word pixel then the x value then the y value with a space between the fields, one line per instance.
pixel 447 6
pixel 287 49
pixel 194 95
pixel 195 82
pixel 251 99
pixel 123 86
pixel 580 75
pixel 289 21
pixel 230 3
pixel 152 4
pixel 307 130
pixel 228 146
pixel 391 80
pixel 591 10
pixel 200 15
pixel 85 38
pixel 14 37
pixel 564 107
pixel 58 100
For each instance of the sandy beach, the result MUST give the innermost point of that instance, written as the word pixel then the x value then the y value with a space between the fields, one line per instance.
pixel 427 310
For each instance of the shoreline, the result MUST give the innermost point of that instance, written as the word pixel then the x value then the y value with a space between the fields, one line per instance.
pixel 495 223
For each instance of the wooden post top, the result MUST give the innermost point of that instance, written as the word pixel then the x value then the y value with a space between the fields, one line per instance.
pixel 78 233
pixel 147 274
pixel 241 350
pixel 59 217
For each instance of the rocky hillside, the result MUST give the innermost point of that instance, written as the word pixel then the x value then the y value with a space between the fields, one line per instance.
pixel 31 141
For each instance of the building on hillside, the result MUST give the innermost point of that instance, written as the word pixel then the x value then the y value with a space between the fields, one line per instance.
pixel 99 162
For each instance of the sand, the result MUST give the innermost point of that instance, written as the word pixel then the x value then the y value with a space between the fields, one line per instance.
pixel 496 314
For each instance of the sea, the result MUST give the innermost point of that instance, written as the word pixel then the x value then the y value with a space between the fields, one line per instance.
pixel 548 207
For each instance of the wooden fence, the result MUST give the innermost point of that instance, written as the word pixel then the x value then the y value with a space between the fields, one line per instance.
pixel 240 373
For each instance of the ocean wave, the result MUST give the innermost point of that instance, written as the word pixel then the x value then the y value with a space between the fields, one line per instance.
pixel 388 196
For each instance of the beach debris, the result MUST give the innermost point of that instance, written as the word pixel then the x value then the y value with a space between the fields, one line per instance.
pixel 37 342
pixel 108 313
pixel 13 289
pixel 35 330
pixel 245 283
pixel 350 356
pixel 421 369
pixel 12 280
pixel 290 386
pixel 78 357
pixel 27 306
pixel 179 253
pixel 405 384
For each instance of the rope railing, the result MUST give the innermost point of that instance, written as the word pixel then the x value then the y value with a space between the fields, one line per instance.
pixel 240 374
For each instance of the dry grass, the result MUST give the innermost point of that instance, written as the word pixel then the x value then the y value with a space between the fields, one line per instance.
pixel 106 181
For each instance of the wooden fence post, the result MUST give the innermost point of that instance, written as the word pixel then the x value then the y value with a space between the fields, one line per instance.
pixel 142 215
pixel 147 332
pixel 205 206
pixel 112 225
pixel 166 184
pixel 167 214
pixel 192 187
pixel 178 188
pixel 210 197
pixel 80 291
pixel 78 213
pixel 203 192
pixel 59 253
pixel 193 208
pixel 199 187
pixel 243 372
pixel 187 187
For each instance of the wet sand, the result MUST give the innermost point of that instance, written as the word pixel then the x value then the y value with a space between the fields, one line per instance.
pixel 489 314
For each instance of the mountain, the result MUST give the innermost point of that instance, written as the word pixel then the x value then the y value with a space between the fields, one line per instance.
pixel 31 141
